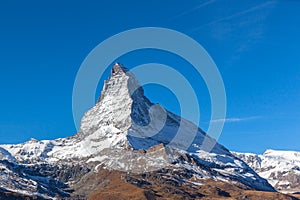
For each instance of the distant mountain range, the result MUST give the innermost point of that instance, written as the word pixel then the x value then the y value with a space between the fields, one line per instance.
pixel 115 155
pixel 280 168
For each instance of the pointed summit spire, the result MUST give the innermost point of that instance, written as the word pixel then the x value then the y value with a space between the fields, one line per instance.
pixel 118 69
pixel 122 101
pixel 121 79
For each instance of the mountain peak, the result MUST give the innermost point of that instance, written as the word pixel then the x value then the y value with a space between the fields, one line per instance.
pixel 143 124
pixel 118 69
pixel 121 79
pixel 121 104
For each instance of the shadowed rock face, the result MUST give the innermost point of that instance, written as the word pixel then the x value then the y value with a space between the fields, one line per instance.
pixel 116 135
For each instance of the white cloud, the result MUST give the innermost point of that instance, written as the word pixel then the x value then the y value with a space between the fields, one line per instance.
pixel 235 119
pixel 252 9
pixel 199 6
pixel 245 27
pixel 237 15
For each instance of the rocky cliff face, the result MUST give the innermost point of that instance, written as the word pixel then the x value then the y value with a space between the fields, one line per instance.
pixel 124 132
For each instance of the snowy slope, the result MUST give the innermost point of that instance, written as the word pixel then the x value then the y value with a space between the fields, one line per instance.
pixel 113 134
pixel 280 168
pixel 24 179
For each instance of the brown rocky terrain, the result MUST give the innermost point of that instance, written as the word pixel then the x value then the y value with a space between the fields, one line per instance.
pixel 165 184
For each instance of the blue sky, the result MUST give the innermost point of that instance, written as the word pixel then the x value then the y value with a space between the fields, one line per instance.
pixel 255 45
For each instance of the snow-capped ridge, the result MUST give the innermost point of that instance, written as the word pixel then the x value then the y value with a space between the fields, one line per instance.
pixel 283 154
pixel 6 155
pixel 280 168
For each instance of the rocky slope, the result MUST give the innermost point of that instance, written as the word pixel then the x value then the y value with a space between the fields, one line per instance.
pixel 158 185
pixel 123 132
pixel 280 168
